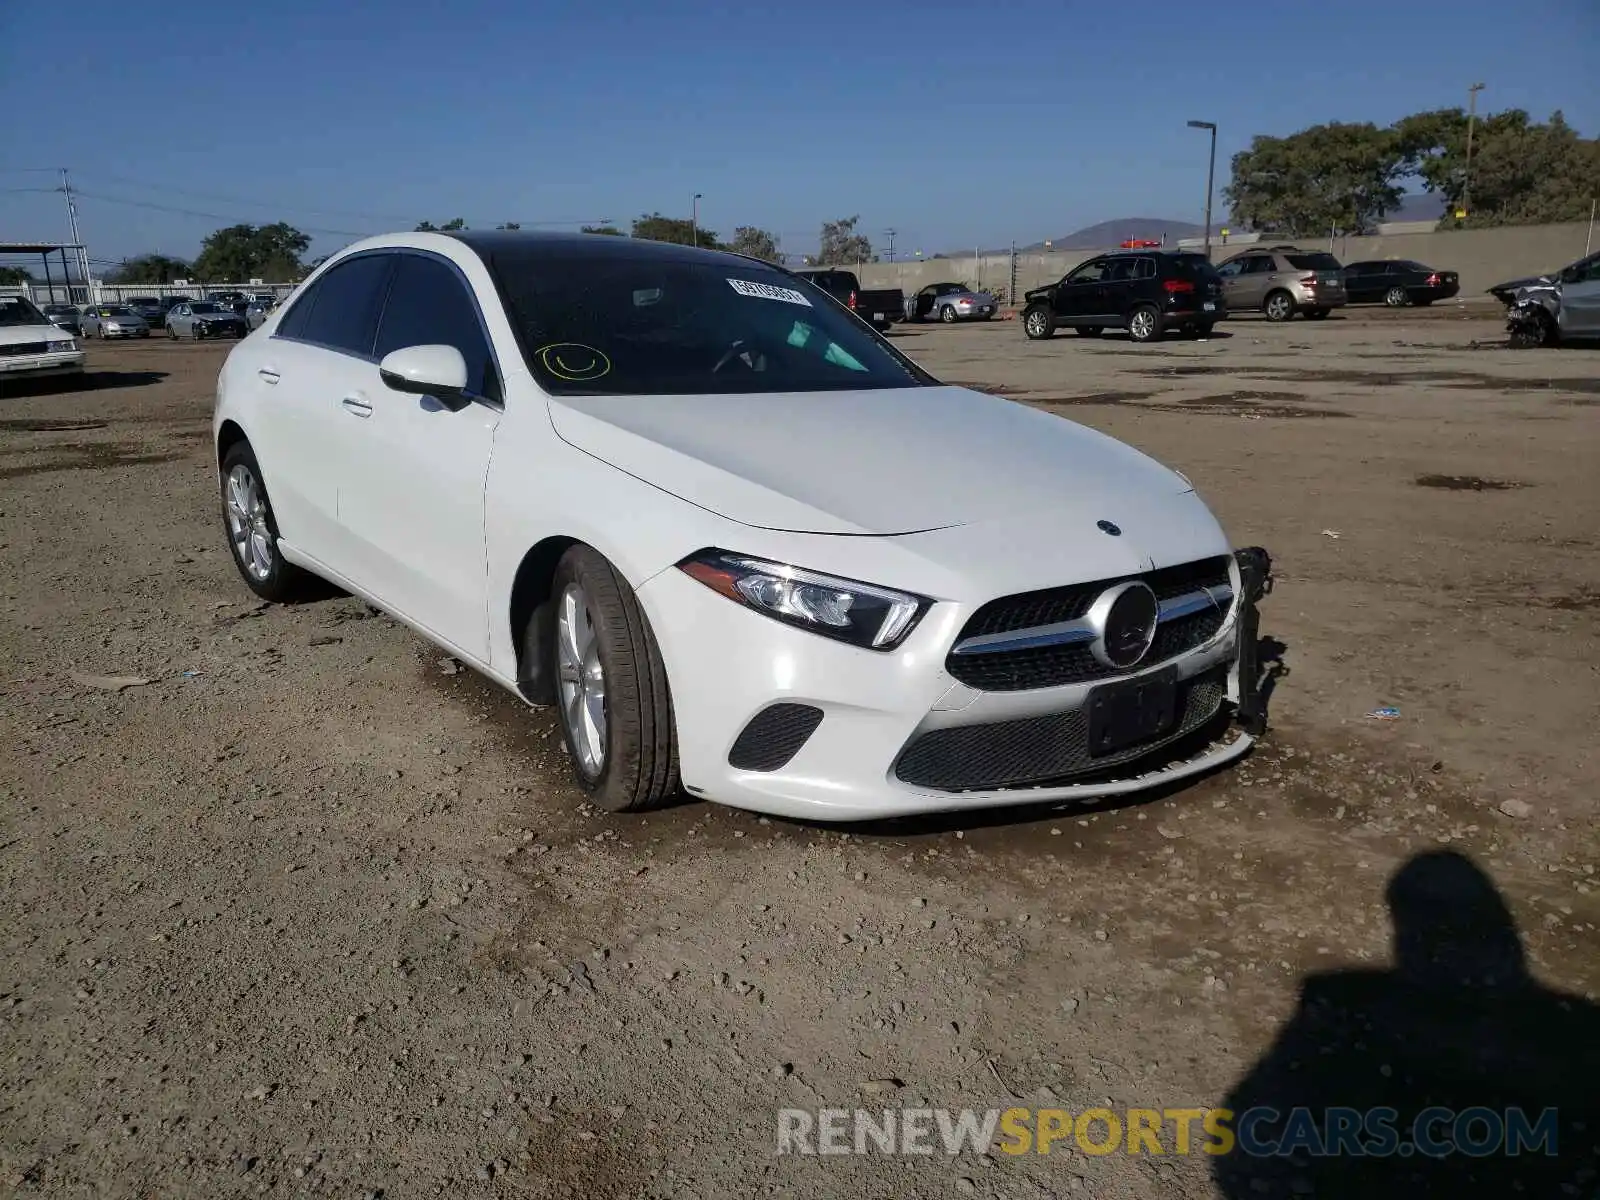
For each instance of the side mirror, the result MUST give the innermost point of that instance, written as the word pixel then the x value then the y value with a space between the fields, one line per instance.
pixel 437 371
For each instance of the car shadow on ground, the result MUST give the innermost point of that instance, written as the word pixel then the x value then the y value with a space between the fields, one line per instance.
pixel 89 381
pixel 1416 1080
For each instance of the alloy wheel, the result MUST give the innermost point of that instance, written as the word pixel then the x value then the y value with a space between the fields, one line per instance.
pixel 1142 326
pixel 1279 307
pixel 1395 297
pixel 582 681
pixel 1036 323
pixel 247 523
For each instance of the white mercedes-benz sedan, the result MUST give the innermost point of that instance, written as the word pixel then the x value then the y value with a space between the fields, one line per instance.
pixel 742 544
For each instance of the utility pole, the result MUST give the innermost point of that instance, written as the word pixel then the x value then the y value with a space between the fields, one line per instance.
pixel 1466 173
pixel 1211 172
pixel 78 252
pixel 694 219
pixel 889 233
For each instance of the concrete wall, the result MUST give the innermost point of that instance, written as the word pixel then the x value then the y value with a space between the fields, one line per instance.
pixel 1482 257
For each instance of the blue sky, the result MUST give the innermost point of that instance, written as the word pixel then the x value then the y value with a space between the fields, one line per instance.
pixel 955 123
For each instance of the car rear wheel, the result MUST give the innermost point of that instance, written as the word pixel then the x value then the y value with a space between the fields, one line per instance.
pixel 1202 329
pixel 1037 323
pixel 947 314
pixel 612 696
pixel 1144 324
pixel 1087 330
pixel 253 530
pixel 1278 306
pixel 1396 297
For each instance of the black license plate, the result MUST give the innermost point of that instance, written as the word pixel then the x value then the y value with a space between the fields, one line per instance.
pixel 1125 714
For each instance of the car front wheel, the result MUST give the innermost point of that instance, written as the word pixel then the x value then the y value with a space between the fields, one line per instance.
pixel 1037 323
pixel 612 696
pixel 1279 306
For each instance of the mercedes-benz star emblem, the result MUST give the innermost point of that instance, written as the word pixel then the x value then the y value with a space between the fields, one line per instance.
pixel 1108 527
pixel 1124 621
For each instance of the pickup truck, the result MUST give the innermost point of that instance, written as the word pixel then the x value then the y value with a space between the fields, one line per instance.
pixel 880 309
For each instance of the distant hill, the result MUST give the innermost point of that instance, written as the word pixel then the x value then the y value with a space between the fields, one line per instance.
pixel 1108 234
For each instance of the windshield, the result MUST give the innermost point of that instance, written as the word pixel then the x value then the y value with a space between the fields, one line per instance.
pixel 204 306
pixel 653 326
pixel 1313 262
pixel 17 310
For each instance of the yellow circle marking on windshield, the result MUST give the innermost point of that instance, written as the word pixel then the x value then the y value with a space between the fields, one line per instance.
pixel 574 362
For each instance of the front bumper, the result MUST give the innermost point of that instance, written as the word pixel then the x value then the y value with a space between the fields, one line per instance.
pixel 112 334
pixel 220 329
pixel 37 366
pixel 729 665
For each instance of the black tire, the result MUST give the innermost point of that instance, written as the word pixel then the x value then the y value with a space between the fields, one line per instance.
pixel 1423 302
pixel 1317 314
pixel 172 334
pixel 1038 323
pixel 1397 297
pixel 1278 306
pixel 1087 330
pixel 1203 328
pixel 947 314
pixel 284 582
pixel 640 765
pixel 1142 330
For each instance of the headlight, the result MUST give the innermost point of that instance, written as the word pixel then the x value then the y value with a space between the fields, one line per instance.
pixel 63 345
pixel 846 610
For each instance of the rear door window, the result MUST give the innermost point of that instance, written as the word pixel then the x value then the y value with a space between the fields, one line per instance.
pixel 1313 262
pixel 341 308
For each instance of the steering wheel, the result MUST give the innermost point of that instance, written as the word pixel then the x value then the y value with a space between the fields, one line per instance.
pixel 737 350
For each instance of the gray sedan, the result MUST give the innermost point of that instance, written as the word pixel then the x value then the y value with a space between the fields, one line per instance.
pixel 202 319
pixel 112 321
pixel 950 302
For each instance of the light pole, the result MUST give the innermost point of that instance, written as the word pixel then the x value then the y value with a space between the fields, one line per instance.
pixel 890 234
pixel 1466 171
pixel 1211 172
pixel 694 218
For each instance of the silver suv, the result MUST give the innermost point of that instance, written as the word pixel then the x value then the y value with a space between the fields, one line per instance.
pixel 1283 280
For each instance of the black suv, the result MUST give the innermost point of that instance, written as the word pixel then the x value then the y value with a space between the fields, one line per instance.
pixel 1145 292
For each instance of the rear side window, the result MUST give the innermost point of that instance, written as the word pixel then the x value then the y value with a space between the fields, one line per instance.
pixel 1313 262
pixel 429 305
pixel 1145 269
pixel 1121 269
pixel 340 310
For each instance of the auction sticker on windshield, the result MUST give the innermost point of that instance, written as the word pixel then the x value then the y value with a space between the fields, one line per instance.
pixel 767 291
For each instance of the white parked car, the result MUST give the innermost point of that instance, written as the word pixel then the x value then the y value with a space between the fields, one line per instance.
pixel 31 346
pixel 736 537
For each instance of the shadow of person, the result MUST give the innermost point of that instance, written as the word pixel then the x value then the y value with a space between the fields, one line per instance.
pixel 1454 1074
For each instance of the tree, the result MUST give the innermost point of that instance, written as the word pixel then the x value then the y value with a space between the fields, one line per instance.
pixel 1522 173
pixel 841 244
pixel 608 229
pixel 150 268
pixel 653 227
pixel 757 243
pixel 1334 176
pixel 450 226
pixel 14 277
pixel 242 252
pixel 510 225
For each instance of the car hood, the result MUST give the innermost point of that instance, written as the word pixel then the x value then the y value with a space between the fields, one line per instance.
pixel 883 462
pixel 1512 285
pixel 13 335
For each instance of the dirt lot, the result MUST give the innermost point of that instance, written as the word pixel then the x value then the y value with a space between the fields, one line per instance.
pixel 312 911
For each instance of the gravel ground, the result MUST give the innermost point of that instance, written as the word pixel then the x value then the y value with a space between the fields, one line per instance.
pixel 290 904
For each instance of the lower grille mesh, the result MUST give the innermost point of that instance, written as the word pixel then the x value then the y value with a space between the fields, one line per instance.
pixel 774 736
pixel 1038 750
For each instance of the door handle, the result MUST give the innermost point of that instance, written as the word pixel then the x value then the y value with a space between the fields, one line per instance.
pixel 269 375
pixel 357 404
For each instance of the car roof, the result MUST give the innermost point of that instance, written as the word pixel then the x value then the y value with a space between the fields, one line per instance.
pixel 488 242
